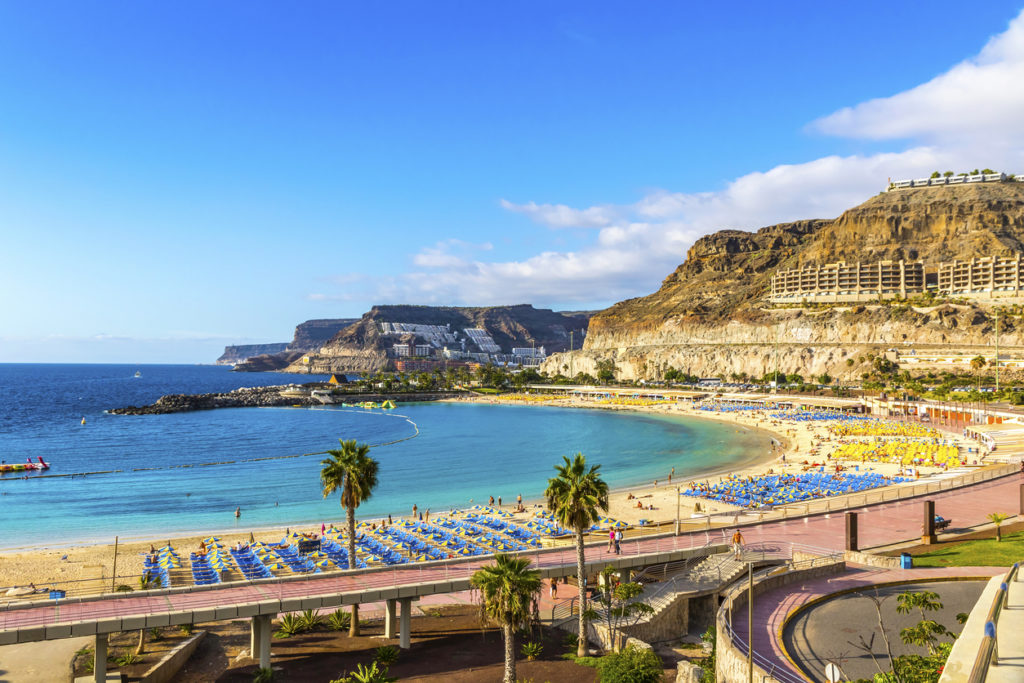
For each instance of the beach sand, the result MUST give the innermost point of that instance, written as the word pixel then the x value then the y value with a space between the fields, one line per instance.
pixel 88 568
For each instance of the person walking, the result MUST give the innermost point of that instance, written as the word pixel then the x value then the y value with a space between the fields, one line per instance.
pixel 618 540
pixel 737 545
pixel 554 588
pixel 611 539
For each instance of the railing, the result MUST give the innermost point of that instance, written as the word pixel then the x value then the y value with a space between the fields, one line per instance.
pixel 988 653
pixel 773 668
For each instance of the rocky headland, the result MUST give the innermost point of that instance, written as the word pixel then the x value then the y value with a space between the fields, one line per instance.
pixel 711 318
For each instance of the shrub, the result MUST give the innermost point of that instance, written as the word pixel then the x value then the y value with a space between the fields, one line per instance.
pixel 367 674
pixel 386 654
pixel 290 625
pixel 127 659
pixel 632 665
pixel 339 620
pixel 311 620
pixel 532 650
pixel 263 675
pixel 571 641
pixel 123 589
pixel 156 633
pixel 187 629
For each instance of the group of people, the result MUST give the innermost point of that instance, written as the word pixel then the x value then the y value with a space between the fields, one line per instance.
pixel 614 539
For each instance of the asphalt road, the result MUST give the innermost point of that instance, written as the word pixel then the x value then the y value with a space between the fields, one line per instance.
pixel 831 631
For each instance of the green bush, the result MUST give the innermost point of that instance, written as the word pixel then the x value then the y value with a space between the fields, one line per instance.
pixel 632 665
pixel 339 620
pixel 367 674
pixel 311 620
pixel 127 659
pixel 531 650
pixel 187 629
pixel 263 675
pixel 290 625
pixel 386 654
pixel 571 641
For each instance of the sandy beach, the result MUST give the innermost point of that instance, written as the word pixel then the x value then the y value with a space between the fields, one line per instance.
pixel 90 568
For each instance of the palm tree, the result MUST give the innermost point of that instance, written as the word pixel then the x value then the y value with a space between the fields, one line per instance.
pixel 576 496
pixel 353 472
pixel 977 363
pixel 508 589
pixel 998 518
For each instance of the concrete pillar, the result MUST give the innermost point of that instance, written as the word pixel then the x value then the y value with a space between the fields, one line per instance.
pixel 259 639
pixel 851 531
pixel 99 662
pixel 1022 499
pixel 405 624
pixel 928 523
pixel 389 619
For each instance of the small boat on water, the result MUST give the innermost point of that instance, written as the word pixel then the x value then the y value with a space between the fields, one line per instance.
pixel 27 466
pixel 138 373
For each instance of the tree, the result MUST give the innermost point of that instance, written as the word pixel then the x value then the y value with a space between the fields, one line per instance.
pixel 977 363
pixel 935 174
pixel 947 174
pixel 998 518
pixel 794 378
pixel 352 471
pixel 618 606
pixel 927 631
pixel 606 370
pixel 508 589
pixel 577 496
pixel 824 378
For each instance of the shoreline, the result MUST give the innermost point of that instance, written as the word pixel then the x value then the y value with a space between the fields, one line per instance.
pixel 90 563
pixel 712 471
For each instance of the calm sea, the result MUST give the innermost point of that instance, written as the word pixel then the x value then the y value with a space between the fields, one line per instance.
pixel 463 453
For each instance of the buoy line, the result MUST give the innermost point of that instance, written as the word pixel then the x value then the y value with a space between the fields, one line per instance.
pixel 415 427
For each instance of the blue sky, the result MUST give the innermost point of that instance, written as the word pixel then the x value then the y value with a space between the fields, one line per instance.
pixel 177 177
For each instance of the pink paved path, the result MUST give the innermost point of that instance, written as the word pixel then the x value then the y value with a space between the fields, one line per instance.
pixel 879 525
pixel 772 608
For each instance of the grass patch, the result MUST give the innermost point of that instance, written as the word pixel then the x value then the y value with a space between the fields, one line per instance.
pixel 486 390
pixel 979 553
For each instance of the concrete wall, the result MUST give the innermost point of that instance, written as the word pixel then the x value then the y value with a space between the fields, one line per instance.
pixel 731 662
pixel 869 560
pixel 168 667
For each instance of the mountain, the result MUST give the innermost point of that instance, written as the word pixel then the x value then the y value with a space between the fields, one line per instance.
pixel 309 336
pixel 242 352
pixel 364 347
pixel 710 317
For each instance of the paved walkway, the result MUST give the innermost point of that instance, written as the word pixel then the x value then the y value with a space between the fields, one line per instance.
pixel 879 525
pixel 1009 627
pixel 43 662
pixel 772 608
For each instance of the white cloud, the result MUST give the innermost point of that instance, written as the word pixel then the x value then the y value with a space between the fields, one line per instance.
pixel 562 216
pixel 979 102
pixel 969 116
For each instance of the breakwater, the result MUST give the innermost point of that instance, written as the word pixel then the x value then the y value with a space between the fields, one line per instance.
pixel 272 396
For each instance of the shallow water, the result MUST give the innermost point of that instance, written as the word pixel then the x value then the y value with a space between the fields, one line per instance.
pixel 464 453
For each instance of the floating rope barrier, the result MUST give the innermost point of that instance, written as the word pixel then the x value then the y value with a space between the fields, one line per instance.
pixel 415 427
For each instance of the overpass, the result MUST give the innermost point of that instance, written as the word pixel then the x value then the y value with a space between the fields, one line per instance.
pixel 881 523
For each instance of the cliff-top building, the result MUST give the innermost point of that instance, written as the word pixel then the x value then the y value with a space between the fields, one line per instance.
pixel 988 277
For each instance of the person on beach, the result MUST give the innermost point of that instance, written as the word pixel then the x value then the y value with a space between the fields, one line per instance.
pixel 519 498
pixel 499 501
pixel 414 509
pixel 737 545
pixel 427 517
pixel 490 501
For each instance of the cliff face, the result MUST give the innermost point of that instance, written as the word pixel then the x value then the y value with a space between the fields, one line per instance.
pixel 242 352
pixel 710 315
pixel 361 347
pixel 312 334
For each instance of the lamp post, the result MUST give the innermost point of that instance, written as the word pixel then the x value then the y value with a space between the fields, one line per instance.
pixel 677 510
pixel 750 622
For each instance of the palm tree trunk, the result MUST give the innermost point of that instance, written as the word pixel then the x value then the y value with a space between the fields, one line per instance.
pixel 510 654
pixel 350 517
pixel 581 644
pixel 141 648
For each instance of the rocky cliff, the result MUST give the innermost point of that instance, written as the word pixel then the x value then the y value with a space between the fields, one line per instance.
pixel 312 334
pixel 361 347
pixel 710 316
pixel 242 352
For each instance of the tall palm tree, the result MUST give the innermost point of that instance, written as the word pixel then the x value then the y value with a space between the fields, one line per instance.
pixel 352 471
pixel 577 496
pixel 508 589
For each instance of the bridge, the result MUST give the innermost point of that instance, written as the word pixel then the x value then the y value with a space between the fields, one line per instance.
pixel 881 523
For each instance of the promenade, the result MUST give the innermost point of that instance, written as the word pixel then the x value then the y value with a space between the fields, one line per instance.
pixel 880 524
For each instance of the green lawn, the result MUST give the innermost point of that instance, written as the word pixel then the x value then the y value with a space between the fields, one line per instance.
pixel 981 553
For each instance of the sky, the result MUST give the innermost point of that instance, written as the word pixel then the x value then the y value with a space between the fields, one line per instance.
pixel 176 177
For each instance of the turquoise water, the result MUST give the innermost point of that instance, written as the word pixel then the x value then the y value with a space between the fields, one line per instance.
pixel 463 454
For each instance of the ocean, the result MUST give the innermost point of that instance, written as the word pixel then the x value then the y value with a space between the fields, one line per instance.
pixel 187 472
